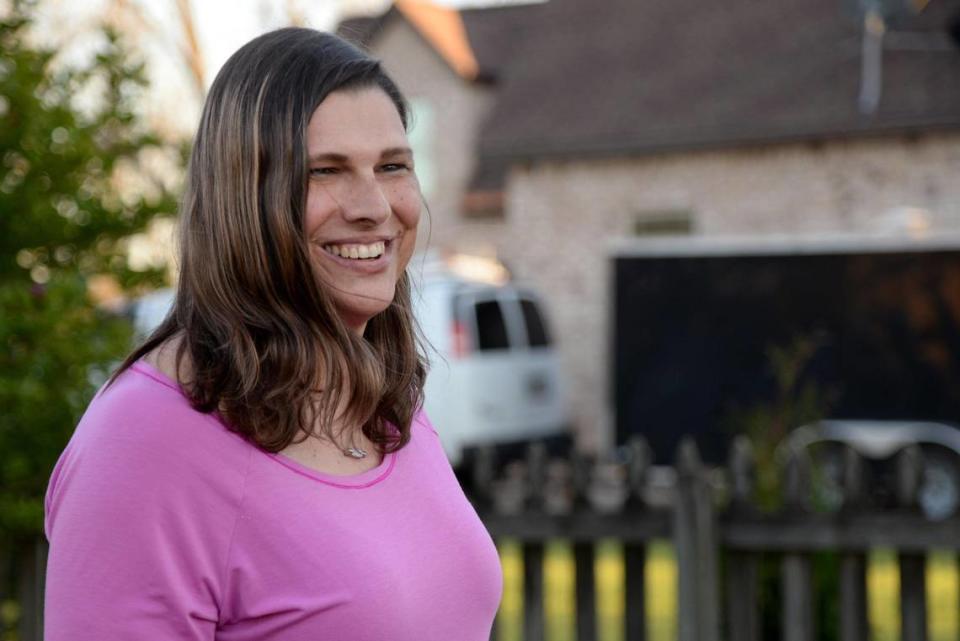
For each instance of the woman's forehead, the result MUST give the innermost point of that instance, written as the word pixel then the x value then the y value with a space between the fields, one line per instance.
pixel 356 120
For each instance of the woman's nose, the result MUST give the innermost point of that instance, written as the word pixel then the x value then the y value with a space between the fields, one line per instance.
pixel 366 200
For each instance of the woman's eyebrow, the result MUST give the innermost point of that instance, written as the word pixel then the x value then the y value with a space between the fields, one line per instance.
pixel 396 151
pixel 328 157
pixel 341 158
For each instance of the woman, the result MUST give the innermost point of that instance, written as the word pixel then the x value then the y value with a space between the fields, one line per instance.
pixel 260 467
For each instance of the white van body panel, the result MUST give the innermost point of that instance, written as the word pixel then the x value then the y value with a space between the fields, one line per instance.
pixel 487 396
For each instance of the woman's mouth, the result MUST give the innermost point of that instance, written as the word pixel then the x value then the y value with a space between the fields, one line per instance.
pixel 356 251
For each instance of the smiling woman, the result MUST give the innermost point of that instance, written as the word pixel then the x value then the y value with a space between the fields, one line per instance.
pixel 363 202
pixel 260 468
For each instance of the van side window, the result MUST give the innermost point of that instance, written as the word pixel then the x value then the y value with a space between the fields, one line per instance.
pixel 537 335
pixel 491 328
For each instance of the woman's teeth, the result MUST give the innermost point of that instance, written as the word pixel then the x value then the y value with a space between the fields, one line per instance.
pixel 373 250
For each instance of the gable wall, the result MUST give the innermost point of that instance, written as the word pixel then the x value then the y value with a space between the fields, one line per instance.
pixel 458 109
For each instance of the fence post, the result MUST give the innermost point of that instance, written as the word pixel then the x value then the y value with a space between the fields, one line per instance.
pixel 696 540
pixel 32 574
pixel 639 460
pixel 635 554
pixel 853 564
pixel 795 568
pixel 743 599
pixel 583 555
pixel 483 475
pixel 536 460
pixel 533 623
pixel 533 591
pixel 635 561
pixel 581 468
pixel 913 597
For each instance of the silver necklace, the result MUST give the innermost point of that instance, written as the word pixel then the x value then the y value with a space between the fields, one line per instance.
pixel 354 452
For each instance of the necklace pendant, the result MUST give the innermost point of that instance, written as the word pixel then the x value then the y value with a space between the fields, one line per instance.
pixel 354 452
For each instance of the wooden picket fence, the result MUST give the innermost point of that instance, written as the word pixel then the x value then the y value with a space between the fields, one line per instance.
pixel 536 501
pixel 539 500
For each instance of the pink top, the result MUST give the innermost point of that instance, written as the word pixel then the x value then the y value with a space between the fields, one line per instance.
pixel 165 525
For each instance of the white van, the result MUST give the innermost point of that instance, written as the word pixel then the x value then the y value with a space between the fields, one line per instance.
pixel 494 373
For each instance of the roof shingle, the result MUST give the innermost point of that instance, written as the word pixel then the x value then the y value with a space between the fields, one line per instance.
pixel 622 76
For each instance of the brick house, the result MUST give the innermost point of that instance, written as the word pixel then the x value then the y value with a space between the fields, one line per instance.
pixel 549 130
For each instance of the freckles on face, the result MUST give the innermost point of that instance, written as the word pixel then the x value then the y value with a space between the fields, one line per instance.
pixel 363 200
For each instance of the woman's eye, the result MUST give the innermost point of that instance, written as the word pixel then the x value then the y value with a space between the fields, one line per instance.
pixel 324 171
pixel 395 166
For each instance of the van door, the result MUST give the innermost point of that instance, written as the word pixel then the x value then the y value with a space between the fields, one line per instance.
pixel 513 385
pixel 545 409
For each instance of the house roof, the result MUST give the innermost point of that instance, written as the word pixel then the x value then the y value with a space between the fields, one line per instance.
pixel 497 33
pixel 475 43
pixel 615 77
pixel 622 76
pixel 364 29
pixel 443 28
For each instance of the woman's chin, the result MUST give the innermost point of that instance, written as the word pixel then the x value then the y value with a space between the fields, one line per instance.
pixel 355 311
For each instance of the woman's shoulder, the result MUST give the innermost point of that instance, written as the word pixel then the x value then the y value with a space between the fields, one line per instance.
pixel 146 403
pixel 141 444
pixel 141 426
pixel 143 404
pixel 422 422
pixel 425 438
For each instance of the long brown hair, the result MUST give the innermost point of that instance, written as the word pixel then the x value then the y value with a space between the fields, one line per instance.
pixel 266 347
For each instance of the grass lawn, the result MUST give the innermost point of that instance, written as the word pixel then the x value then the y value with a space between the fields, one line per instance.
pixel 943 594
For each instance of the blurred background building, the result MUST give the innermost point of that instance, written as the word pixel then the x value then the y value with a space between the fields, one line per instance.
pixel 545 131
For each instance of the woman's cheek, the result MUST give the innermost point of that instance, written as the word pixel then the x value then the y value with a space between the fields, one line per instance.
pixel 412 203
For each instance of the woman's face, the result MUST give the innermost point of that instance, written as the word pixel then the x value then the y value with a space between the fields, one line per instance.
pixel 363 201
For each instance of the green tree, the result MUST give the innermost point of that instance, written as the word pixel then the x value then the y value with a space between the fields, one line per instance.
pixel 74 183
